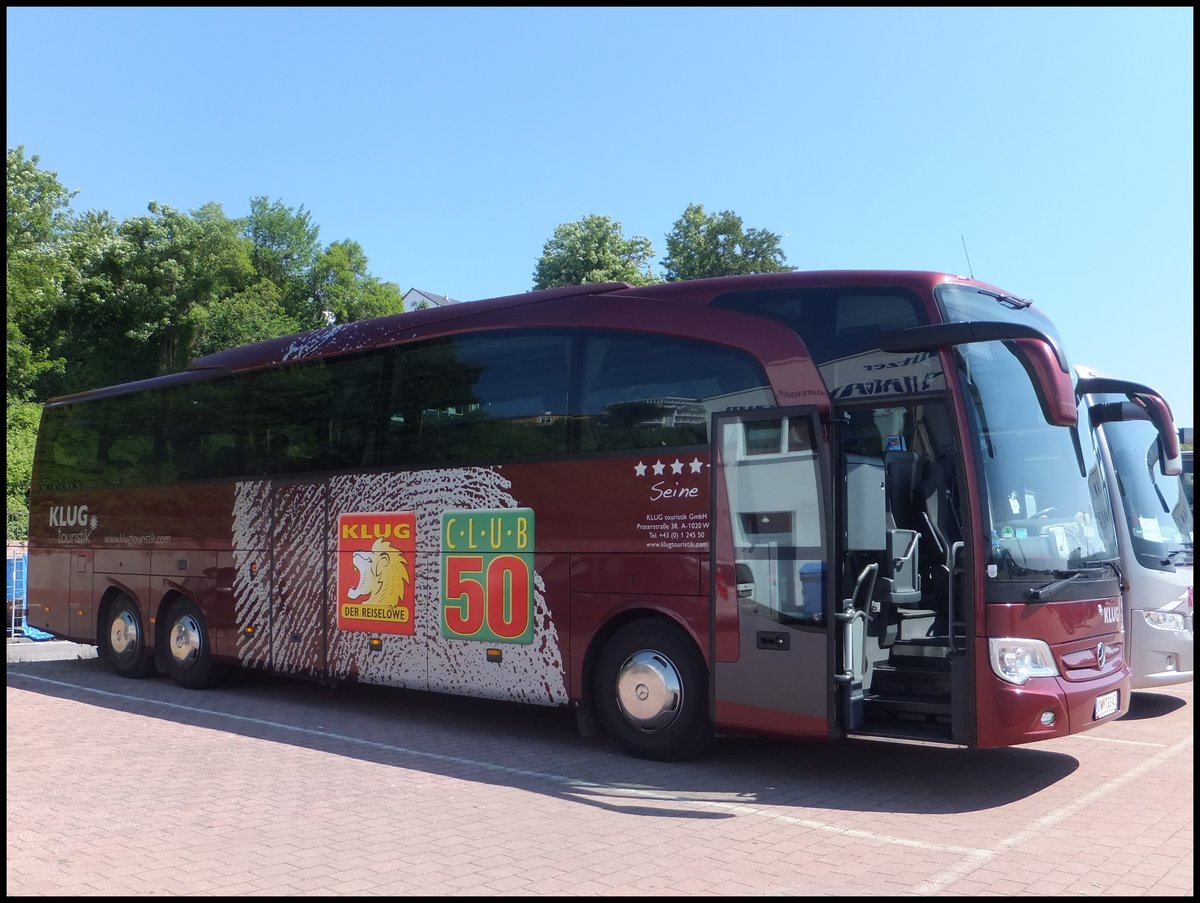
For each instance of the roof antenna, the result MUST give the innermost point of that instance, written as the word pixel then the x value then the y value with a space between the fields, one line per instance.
pixel 969 270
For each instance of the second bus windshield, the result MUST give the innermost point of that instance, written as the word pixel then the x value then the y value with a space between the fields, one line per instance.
pixel 1156 509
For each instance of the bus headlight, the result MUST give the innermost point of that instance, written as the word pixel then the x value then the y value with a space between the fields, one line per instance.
pixel 1016 660
pixel 1167 620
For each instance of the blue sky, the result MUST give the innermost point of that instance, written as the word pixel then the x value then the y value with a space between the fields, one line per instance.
pixel 450 142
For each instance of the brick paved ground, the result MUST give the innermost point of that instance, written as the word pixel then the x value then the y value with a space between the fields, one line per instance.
pixel 282 787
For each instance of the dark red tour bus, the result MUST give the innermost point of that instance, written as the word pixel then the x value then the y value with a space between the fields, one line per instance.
pixel 786 505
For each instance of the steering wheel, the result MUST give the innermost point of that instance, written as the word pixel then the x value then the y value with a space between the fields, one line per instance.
pixel 1045 512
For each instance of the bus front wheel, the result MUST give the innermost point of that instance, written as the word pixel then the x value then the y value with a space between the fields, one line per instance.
pixel 651 692
pixel 188 648
pixel 124 639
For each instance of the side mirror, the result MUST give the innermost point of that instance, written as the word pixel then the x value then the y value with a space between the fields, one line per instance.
pixel 1038 353
pixel 1144 404
pixel 1170 460
pixel 1054 389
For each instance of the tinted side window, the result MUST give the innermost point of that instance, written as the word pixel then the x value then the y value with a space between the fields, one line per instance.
pixel 113 441
pixel 649 391
pixel 478 397
pixel 67 442
pixel 834 323
pixel 206 434
pixel 315 415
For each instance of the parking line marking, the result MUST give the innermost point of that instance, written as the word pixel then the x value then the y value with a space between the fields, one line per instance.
pixel 944 879
pixel 737 808
pixel 973 857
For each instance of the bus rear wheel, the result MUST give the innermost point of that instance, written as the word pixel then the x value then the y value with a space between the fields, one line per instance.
pixel 188 651
pixel 124 639
pixel 651 692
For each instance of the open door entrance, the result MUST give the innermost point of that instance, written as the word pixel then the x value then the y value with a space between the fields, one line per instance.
pixel 772 657
pixel 904 618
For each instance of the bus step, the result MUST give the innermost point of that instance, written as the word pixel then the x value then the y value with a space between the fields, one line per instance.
pixel 924 731
pixel 931 653
pixel 905 705
pixel 904 683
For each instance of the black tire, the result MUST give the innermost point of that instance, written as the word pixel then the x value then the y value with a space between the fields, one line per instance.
pixel 651 692
pixel 123 639
pixel 187 648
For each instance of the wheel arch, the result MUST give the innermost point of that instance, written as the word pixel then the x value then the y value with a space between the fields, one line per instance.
pixel 615 623
pixel 107 598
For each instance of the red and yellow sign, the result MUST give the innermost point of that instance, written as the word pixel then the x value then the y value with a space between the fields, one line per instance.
pixel 375 579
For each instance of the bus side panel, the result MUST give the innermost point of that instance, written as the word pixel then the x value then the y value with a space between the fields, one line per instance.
pixel 654 574
pixel 48 590
pixel 424 654
pixel 298 597
pixel 510 671
pixel 732 717
pixel 252 575
pixel 191 573
pixel 83 606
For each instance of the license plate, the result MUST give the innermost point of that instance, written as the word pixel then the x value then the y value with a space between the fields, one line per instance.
pixel 1106 704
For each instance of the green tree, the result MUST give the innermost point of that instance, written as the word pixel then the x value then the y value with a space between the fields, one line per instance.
pixel 701 245
pixel 93 302
pixel 285 249
pixel 345 291
pixel 173 268
pixel 249 316
pixel 39 216
pixel 21 424
pixel 593 249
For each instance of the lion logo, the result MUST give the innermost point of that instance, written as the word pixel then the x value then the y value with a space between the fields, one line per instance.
pixel 383 575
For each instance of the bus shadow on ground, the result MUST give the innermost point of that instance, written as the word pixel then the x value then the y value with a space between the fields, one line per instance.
pixel 540 750
pixel 1151 705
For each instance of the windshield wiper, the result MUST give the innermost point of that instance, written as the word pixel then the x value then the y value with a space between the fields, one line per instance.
pixel 1041 594
pixel 1008 300
pixel 1114 563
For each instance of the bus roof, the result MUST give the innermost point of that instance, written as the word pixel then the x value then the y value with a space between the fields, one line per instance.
pixel 364 334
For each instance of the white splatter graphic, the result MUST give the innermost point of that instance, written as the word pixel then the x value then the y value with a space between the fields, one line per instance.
pixel 252 573
pixel 305 638
pixel 342 337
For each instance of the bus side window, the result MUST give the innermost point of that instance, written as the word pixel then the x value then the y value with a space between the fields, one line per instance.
pixel 477 397
pixel 648 391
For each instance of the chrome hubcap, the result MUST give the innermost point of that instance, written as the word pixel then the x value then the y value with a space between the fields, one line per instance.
pixel 123 634
pixel 649 690
pixel 185 641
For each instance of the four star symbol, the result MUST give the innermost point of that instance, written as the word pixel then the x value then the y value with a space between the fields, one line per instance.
pixel 677 466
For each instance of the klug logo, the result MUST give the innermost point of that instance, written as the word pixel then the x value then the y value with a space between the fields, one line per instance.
pixel 68 515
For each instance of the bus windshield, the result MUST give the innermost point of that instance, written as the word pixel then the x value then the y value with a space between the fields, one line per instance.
pixel 1046 508
pixel 1156 507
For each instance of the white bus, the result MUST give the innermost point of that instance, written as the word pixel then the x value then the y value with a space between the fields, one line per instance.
pixel 1187 475
pixel 1139 449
